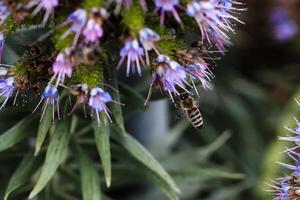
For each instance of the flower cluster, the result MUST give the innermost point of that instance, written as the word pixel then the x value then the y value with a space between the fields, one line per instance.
pixel 87 24
pixel 288 187
pixel 213 18
pixel 88 33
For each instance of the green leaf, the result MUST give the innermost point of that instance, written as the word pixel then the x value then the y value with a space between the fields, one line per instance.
pixel 142 155
pixel 137 170
pixel 55 154
pixel 16 43
pixel 198 175
pixel 208 150
pixel 16 133
pixel 90 181
pixel 22 174
pixel 116 109
pixel 159 182
pixel 103 146
pixel 44 127
pixel 129 94
pixel 194 155
pixel 231 192
pixel 174 135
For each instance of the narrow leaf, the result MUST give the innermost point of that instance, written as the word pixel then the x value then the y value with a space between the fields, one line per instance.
pixel 116 109
pixel 160 183
pixel 130 94
pixel 194 174
pixel 90 181
pixel 44 127
pixel 195 155
pixel 137 171
pixel 55 154
pixel 208 150
pixel 141 154
pixel 16 133
pixel 103 146
pixel 22 174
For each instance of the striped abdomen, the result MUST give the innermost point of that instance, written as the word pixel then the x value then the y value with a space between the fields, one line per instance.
pixel 195 117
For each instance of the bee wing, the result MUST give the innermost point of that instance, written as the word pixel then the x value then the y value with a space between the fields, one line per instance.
pixel 179 114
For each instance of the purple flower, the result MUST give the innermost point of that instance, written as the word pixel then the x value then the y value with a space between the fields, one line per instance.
pixel 61 68
pixel 168 75
pixel 7 89
pixel 285 28
pixel 296 167
pixel 280 190
pixel 201 72
pixel 93 30
pixel 213 18
pixel 50 97
pixel 133 52
pixel 97 101
pixel 219 41
pixel 167 6
pixel 47 5
pixel 148 38
pixel 78 20
pixel 1 45
pixel 296 131
pixel 4 12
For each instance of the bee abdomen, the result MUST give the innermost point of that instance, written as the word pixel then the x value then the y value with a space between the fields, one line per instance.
pixel 195 117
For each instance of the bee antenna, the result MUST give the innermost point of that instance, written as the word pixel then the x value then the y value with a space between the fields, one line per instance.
pixel 111 87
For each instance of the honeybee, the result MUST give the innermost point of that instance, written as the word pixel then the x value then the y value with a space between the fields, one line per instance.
pixel 85 54
pixel 189 105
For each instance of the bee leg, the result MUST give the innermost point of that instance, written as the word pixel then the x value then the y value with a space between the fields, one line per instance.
pixel 149 95
pixel 84 110
pixel 73 109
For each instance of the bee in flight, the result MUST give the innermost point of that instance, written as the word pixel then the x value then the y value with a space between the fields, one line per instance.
pixel 189 105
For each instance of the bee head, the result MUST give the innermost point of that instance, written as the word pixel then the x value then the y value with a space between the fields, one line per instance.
pixel 184 96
